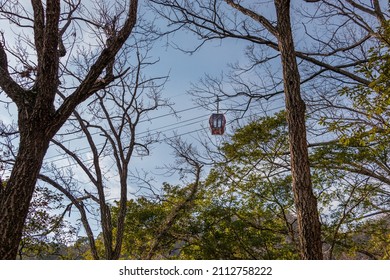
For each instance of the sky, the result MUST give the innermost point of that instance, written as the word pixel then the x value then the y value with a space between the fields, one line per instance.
pixel 184 69
pixel 191 121
pixel 213 59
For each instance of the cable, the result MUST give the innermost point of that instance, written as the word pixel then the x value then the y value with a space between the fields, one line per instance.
pixel 167 115
pixel 159 129
pixel 158 132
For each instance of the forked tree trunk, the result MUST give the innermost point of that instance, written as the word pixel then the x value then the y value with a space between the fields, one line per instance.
pixel 309 227
pixel 38 120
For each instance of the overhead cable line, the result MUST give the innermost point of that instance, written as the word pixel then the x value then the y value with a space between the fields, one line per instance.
pixel 159 131
pixel 171 114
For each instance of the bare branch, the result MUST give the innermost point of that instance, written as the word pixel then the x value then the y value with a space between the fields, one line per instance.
pixel 76 201
pixel 7 84
pixel 259 18
pixel 91 84
pixel 187 155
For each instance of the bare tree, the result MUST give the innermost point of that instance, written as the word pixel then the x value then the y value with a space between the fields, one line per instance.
pixel 209 20
pixel 109 124
pixel 331 39
pixel 305 201
pixel 61 32
pixel 188 162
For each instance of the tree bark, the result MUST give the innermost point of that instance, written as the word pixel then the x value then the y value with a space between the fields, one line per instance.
pixel 35 114
pixel 15 199
pixel 305 202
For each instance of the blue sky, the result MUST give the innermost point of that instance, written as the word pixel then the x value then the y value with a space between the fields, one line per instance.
pixel 184 69
pixel 213 59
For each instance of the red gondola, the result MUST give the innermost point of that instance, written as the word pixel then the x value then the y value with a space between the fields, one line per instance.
pixel 217 121
pixel 217 124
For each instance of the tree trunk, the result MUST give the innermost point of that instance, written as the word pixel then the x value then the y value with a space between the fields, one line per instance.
pixel 305 202
pixel 15 199
pixel 38 119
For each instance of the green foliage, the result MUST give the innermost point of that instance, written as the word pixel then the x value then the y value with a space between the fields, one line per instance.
pixel 256 178
pixel 243 211
pixel 258 139
pixel 370 104
pixel 246 211
pixel 142 221
pixel 355 169
pixel 245 207
pixel 45 232
pixel 367 240
pixel 235 227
